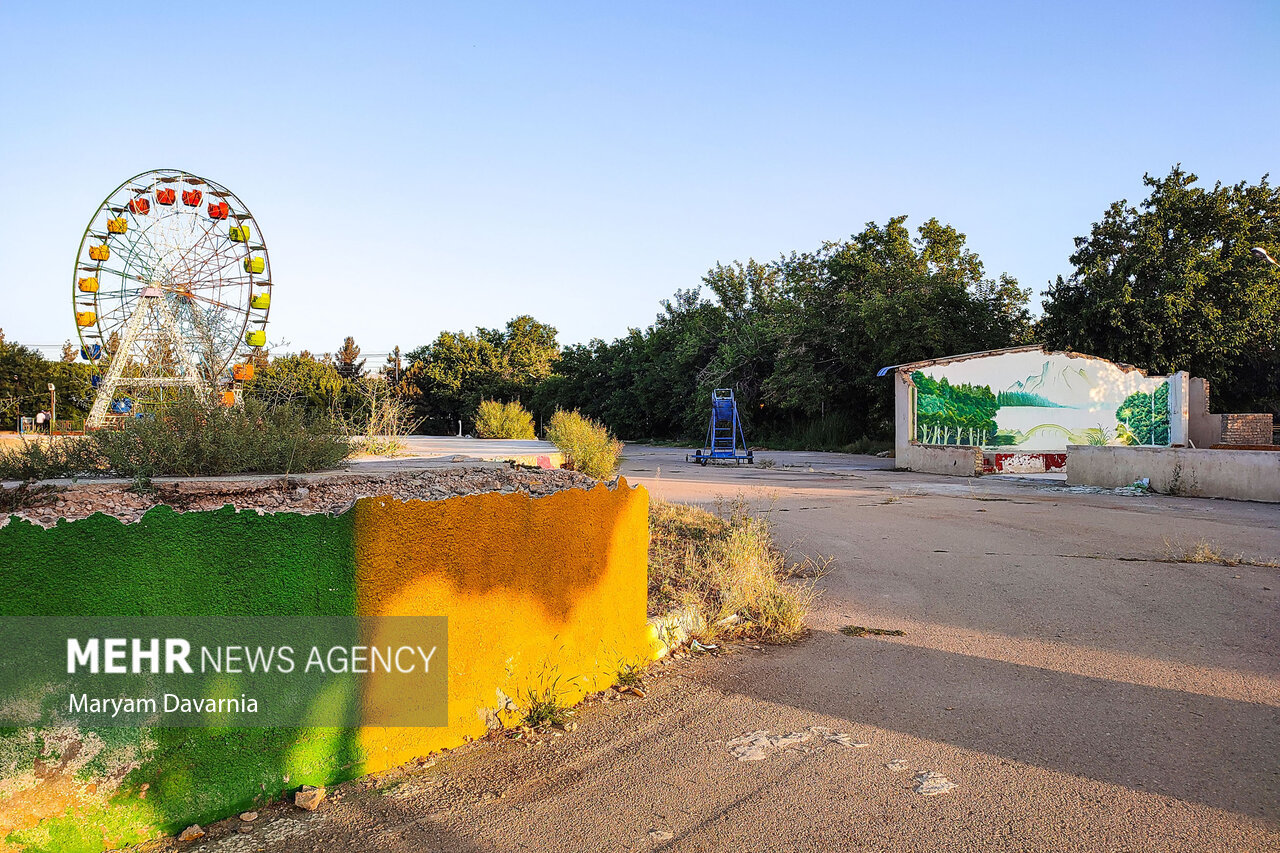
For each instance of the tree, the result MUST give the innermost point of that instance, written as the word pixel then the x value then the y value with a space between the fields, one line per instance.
pixel 447 380
pixel 529 351
pixel 391 370
pixel 313 383
pixel 799 339
pixel 25 374
pixel 1171 285
pixel 69 352
pixel 347 361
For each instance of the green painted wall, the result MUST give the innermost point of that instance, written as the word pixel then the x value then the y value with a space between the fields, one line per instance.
pixel 200 563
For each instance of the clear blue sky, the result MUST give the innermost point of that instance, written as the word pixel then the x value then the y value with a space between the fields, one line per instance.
pixel 419 167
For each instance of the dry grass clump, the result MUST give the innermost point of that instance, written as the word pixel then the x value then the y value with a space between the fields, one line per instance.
pixel 1204 551
pixel 381 420
pixel 725 565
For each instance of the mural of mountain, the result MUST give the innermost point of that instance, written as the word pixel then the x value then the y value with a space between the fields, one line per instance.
pixel 1067 383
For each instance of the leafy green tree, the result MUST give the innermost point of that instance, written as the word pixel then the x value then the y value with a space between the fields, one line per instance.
pixel 1171 285
pixel 310 382
pixel 24 379
pixel 799 339
pixel 447 379
pixel 23 374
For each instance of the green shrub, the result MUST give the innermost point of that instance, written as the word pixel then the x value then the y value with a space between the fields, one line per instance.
pixel 189 439
pixel 504 420
pixel 586 444
pixel 194 439
pixel 45 459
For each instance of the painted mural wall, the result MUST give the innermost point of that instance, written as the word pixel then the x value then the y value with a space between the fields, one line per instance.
pixel 530 609
pixel 1039 402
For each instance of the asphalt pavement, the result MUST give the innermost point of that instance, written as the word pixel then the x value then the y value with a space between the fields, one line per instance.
pixel 1061 685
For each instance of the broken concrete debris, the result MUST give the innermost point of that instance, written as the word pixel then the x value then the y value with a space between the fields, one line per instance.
pixel 309 797
pixel 332 493
pixel 191 833
pixel 755 746
pixel 931 783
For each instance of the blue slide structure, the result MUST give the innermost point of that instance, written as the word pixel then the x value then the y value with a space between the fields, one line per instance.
pixel 724 435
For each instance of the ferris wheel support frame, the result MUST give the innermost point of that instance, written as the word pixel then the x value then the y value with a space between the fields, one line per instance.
pixel 153 301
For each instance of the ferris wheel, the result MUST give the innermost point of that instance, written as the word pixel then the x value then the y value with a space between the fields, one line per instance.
pixel 171 290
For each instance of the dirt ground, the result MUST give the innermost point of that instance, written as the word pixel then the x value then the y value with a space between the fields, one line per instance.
pixel 1078 690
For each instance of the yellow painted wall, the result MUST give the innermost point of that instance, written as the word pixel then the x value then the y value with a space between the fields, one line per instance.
pixel 543 595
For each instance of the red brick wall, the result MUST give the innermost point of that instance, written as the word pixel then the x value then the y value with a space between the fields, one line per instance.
pixel 1246 429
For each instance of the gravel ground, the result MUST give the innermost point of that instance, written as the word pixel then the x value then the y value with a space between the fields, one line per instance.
pixel 312 493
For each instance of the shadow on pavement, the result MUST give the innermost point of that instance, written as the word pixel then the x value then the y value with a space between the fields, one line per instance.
pixel 1218 752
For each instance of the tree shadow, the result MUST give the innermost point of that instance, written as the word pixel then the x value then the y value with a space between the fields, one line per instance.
pixel 1218 752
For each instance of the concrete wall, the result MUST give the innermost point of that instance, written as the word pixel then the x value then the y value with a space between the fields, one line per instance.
pixel 958 460
pixel 1032 400
pixel 526 599
pixel 1208 429
pixel 1204 429
pixel 1252 475
pixel 904 417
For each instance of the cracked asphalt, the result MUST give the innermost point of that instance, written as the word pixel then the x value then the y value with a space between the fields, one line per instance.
pixel 1080 691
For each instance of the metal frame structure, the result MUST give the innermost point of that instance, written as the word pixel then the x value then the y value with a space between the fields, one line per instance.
pixel 725 441
pixel 167 292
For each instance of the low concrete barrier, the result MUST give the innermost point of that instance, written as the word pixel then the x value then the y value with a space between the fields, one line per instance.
pixel 1246 475
pixel 542 595
pixel 958 460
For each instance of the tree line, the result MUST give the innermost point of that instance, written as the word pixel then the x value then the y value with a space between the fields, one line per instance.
pixel 1168 284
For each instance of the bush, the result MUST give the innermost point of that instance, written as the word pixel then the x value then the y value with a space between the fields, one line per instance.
pixel 586 444
pixel 504 420
pixel 189 439
pixel 193 439
pixel 46 459
pixel 726 566
pixel 380 421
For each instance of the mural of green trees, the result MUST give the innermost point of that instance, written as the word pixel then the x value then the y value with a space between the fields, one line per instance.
pixel 953 414
pixel 1144 418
